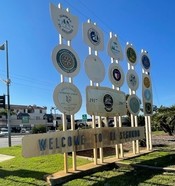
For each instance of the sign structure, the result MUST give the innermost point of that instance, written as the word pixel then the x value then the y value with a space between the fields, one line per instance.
pixel 114 49
pixel 93 36
pixel 67 141
pixel 102 101
pixel 65 60
pixel 116 74
pixel 65 23
pixel 94 68
pixel 132 80
pixel 67 98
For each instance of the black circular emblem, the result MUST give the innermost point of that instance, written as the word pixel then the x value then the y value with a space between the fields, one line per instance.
pixel 148 108
pixel 145 62
pixel 66 60
pixel 131 54
pixel 116 74
pixel 108 102
pixel 93 36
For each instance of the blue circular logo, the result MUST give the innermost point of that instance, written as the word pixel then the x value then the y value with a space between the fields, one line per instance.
pixel 145 62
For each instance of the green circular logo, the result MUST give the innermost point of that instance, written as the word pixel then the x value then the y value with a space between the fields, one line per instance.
pixel 131 55
pixel 66 60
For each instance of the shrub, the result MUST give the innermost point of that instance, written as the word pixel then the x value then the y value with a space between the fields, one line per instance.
pixel 39 129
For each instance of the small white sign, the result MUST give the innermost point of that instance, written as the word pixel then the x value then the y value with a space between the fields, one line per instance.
pixel 116 74
pixel 65 60
pixel 65 23
pixel 93 36
pixel 103 101
pixel 132 80
pixel 67 98
pixel 94 68
pixel 114 49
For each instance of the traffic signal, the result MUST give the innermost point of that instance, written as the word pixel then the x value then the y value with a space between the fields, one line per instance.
pixel 2 101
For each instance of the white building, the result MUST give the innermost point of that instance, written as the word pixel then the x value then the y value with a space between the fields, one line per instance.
pixel 27 116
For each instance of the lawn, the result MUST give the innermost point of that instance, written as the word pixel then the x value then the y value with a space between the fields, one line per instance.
pixel 128 175
pixel 21 171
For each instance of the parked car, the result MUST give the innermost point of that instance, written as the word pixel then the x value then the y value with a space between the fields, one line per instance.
pixel 4 132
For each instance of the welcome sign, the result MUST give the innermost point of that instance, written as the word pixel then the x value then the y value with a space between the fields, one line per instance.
pixel 78 140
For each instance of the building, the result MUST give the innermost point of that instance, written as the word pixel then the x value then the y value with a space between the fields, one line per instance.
pixel 27 116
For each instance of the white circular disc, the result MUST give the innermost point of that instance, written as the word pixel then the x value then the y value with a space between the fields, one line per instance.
pixel 65 60
pixel 116 75
pixel 94 68
pixel 132 80
pixel 133 103
pixel 114 49
pixel 67 98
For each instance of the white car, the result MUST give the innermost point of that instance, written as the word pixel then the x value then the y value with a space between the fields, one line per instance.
pixel 4 132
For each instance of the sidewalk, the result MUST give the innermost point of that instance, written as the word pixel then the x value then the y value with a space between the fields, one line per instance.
pixel 5 157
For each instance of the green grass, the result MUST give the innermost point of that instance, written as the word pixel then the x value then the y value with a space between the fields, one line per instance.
pixel 30 171
pixel 123 176
pixel 21 171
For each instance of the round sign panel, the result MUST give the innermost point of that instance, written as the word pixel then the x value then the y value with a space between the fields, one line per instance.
pixel 147 95
pixel 114 49
pixel 131 55
pixel 116 75
pixel 133 103
pixel 145 61
pixel 146 82
pixel 65 60
pixel 67 98
pixel 132 80
pixel 94 68
pixel 93 36
pixel 65 23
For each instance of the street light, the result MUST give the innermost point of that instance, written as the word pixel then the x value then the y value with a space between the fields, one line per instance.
pixel 7 81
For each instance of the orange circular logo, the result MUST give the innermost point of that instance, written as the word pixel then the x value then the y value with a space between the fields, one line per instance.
pixel 146 82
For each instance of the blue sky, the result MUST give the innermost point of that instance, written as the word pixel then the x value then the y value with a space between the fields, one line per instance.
pixel 31 35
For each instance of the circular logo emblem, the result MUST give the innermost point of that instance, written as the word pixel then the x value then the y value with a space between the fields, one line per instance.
pixel 67 98
pixel 146 82
pixel 133 103
pixel 131 55
pixel 66 60
pixel 148 108
pixel 132 80
pixel 147 94
pixel 94 68
pixel 145 62
pixel 108 102
pixel 116 75
pixel 93 36
pixel 65 24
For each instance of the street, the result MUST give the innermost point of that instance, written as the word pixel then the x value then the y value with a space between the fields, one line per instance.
pixel 15 140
